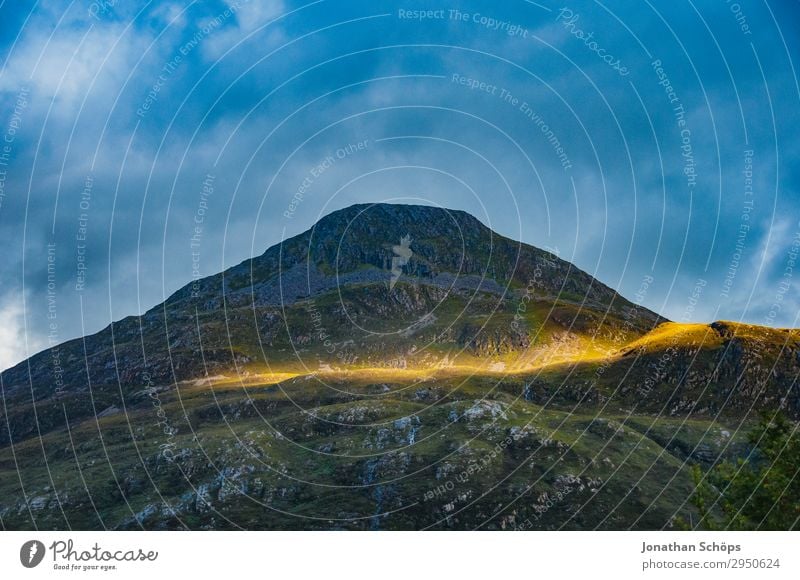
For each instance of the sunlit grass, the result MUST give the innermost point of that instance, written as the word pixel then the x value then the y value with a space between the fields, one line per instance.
pixel 577 349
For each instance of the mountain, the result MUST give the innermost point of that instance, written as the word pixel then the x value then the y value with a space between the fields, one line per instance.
pixel 395 366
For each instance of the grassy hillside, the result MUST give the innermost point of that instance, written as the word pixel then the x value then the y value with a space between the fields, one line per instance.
pixel 460 452
pixel 406 448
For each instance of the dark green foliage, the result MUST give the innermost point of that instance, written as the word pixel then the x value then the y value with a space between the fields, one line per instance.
pixel 760 492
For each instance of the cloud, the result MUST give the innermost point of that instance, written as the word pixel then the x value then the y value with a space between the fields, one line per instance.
pixel 171 14
pixel 60 63
pixel 248 17
pixel 15 344
pixel 772 246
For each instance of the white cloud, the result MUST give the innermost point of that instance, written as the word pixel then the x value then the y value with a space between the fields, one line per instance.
pixel 63 64
pixel 254 14
pixel 765 301
pixel 15 346
pixel 172 15
pixel 248 17
pixel 773 246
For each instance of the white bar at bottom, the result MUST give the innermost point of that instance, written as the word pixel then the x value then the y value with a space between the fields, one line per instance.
pixel 396 555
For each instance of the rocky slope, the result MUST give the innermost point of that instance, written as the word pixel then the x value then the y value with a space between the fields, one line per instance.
pixel 393 367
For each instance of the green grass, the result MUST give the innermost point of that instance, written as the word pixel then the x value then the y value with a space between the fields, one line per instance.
pixel 319 469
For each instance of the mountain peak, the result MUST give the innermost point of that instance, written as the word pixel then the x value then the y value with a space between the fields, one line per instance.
pixel 410 272
pixel 398 212
pixel 367 223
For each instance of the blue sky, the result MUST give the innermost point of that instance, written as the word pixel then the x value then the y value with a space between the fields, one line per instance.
pixel 651 143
